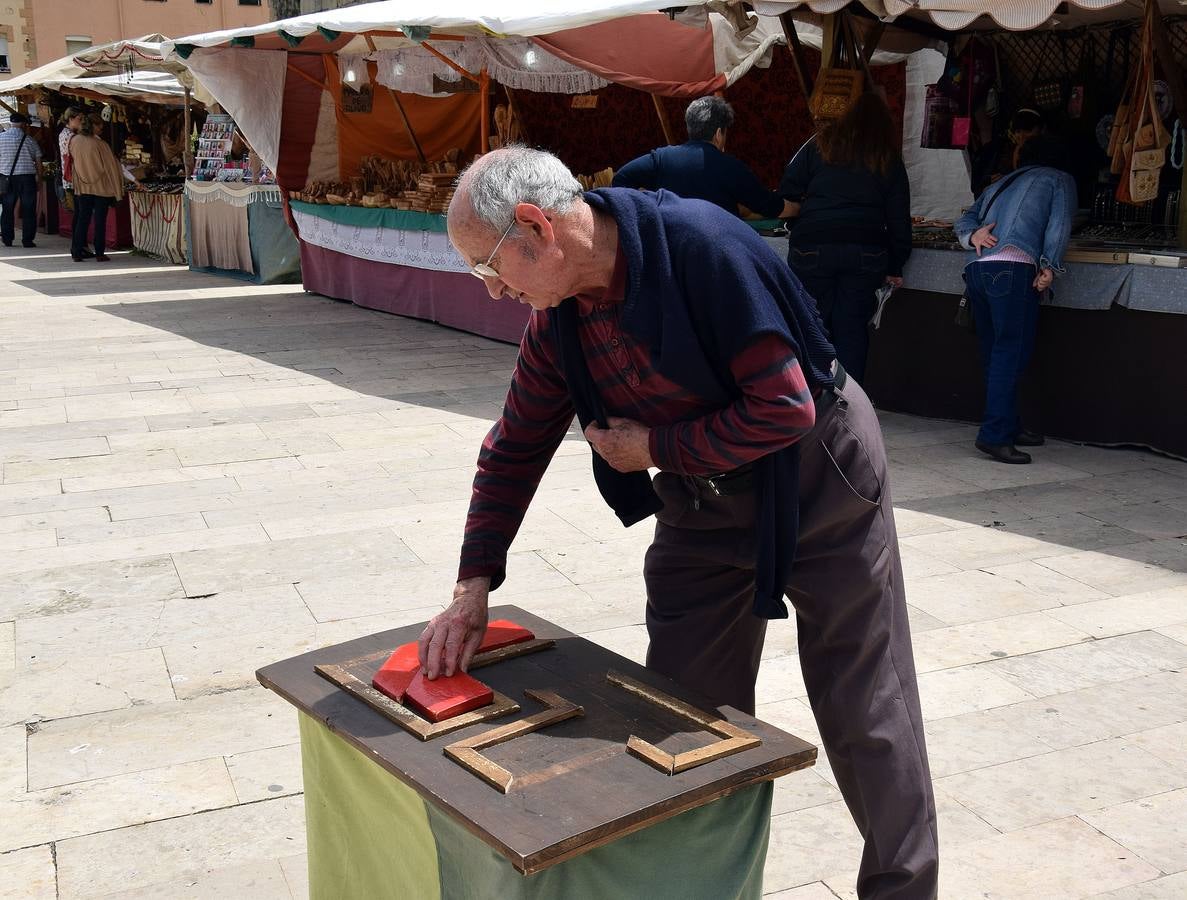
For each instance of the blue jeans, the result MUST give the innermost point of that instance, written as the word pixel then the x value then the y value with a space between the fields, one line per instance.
pixel 1006 311
pixel 842 278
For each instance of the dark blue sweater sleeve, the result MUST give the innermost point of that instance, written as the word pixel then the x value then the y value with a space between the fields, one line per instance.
pixel 749 191
pixel 639 173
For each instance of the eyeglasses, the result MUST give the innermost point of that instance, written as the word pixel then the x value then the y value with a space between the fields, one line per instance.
pixel 485 270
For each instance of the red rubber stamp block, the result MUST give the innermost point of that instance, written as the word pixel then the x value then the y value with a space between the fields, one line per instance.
pixel 503 633
pixel 447 696
pixel 397 673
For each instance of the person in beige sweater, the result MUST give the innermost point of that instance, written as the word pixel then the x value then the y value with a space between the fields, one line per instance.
pixel 98 183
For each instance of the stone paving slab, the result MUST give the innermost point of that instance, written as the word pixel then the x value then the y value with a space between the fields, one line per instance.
pixel 199 477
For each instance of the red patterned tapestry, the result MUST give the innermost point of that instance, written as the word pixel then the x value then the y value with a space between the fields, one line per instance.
pixel 771 123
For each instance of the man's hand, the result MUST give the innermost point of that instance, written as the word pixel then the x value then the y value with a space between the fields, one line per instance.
pixel 983 239
pixel 625 444
pixel 1044 279
pixel 453 636
pixel 895 281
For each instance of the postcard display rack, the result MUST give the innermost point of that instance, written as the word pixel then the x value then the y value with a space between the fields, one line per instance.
pixel 214 147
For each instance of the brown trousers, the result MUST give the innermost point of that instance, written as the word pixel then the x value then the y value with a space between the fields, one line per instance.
pixel 854 639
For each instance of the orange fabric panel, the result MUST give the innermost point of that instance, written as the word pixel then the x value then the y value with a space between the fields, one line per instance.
pixel 440 124
pixel 648 52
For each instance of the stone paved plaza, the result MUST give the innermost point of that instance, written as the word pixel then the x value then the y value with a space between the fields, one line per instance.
pixel 201 477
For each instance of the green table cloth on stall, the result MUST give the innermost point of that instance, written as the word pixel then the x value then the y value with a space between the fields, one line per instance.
pixel 371 835
pixel 362 217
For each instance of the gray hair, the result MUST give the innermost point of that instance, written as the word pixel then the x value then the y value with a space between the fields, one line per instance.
pixel 705 115
pixel 496 182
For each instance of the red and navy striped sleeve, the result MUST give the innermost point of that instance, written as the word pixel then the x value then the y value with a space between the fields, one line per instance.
pixel 515 454
pixel 775 410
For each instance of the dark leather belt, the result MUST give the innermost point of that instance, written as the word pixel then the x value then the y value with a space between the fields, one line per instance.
pixel 740 480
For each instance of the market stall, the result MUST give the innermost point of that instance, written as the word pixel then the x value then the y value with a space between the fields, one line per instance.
pixel 235 220
pixel 239 230
pixel 161 106
pixel 359 93
pixel 145 112
pixel 143 103
pixel 1123 298
pixel 159 223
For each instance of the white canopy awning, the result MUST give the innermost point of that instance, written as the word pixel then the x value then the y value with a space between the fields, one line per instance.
pixel 149 86
pixel 110 68
pixel 467 18
pixel 58 69
pixel 957 15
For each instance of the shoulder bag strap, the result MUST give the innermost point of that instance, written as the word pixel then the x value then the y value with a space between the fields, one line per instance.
pixel 1005 184
pixel 19 148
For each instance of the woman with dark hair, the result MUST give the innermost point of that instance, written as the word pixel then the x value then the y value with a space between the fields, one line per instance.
pixel 98 184
pixel 853 231
pixel 1019 228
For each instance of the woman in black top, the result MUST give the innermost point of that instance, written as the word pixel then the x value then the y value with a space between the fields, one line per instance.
pixel 853 231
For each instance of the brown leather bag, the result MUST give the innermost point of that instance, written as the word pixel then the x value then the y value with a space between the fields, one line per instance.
pixel 1145 149
pixel 838 85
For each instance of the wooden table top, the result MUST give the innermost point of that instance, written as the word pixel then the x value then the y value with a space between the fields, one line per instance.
pixel 575 785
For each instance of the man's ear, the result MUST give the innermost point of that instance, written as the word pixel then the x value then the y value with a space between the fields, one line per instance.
pixel 534 219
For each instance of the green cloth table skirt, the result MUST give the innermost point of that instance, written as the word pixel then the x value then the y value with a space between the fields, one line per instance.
pixel 364 217
pixel 372 837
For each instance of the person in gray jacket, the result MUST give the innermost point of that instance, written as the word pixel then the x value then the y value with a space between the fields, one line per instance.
pixel 1019 229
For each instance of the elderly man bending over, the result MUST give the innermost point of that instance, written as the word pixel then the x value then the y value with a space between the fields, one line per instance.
pixel 683 343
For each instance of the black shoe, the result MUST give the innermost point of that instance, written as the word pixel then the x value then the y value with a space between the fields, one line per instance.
pixel 102 258
pixel 28 244
pixel 79 258
pixel 88 254
pixel 1006 453
pixel 1026 438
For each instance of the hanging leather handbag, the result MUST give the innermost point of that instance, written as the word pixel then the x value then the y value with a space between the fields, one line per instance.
pixel 837 85
pixel 1145 151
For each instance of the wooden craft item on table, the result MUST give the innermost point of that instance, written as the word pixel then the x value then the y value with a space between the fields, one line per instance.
pixel 447 696
pixel 468 753
pixel 503 633
pixel 575 785
pixel 397 673
pixel 734 739
pixel 342 675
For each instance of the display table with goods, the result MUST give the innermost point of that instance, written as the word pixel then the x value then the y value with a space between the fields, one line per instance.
pixel 239 230
pixel 158 219
pixel 380 241
pixel 554 768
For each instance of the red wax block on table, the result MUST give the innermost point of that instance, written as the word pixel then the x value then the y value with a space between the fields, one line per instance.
pixel 397 673
pixel 503 633
pixel 447 696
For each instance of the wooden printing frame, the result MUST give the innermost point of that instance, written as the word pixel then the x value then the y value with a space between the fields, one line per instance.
pixel 412 722
pixel 468 753
pixel 733 739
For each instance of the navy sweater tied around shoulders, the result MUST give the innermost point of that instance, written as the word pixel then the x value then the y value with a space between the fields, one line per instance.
pixel 701 287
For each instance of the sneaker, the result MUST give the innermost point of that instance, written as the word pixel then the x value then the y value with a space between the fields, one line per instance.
pixel 102 258
pixel 28 244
